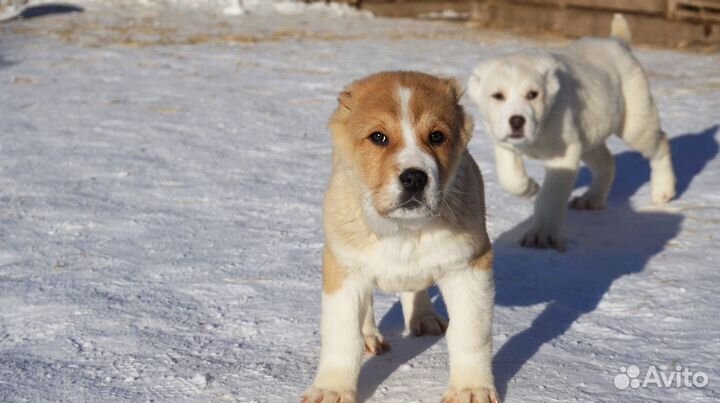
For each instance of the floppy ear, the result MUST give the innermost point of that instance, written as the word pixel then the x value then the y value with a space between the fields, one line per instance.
pixel 551 69
pixel 342 112
pixel 455 88
pixel 344 100
pixel 476 79
pixel 468 126
pixel 457 91
pixel 552 83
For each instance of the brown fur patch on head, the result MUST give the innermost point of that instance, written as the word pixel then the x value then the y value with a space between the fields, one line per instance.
pixel 373 104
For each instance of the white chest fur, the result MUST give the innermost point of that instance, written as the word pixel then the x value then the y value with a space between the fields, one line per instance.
pixel 409 261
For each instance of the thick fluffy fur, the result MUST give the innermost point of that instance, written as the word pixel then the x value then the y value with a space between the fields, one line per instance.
pixel 374 238
pixel 565 104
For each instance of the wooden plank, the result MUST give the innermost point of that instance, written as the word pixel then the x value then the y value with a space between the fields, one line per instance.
pixel 414 8
pixel 646 28
pixel 702 3
pixel 632 6
pixel 651 21
pixel 695 10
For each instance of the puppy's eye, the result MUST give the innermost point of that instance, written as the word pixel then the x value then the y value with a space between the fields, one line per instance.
pixel 499 96
pixel 378 138
pixel 436 138
pixel 531 95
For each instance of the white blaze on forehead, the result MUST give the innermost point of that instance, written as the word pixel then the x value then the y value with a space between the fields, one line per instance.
pixel 405 122
pixel 412 155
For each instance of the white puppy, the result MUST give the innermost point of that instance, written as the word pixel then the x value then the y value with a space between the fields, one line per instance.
pixel 559 107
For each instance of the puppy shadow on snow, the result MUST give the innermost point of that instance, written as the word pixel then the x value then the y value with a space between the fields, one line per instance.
pixel 605 246
pixel 403 349
pixel 43 10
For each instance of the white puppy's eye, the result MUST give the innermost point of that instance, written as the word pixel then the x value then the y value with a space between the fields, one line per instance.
pixel 378 138
pixel 532 94
pixel 499 96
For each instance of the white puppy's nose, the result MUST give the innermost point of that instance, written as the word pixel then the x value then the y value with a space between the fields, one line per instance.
pixel 517 122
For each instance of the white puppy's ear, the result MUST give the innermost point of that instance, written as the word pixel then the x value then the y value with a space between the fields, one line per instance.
pixel 551 69
pixel 476 79
pixel 552 83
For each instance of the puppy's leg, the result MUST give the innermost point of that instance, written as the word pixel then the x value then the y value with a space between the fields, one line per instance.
pixel 375 344
pixel 655 147
pixel 469 295
pixel 550 203
pixel 602 166
pixel 662 175
pixel 642 132
pixel 343 302
pixel 511 173
pixel 420 317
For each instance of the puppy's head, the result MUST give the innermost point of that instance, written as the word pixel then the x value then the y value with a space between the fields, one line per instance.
pixel 514 94
pixel 400 136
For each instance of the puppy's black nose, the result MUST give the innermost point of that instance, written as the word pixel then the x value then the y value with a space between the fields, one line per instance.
pixel 413 179
pixel 517 122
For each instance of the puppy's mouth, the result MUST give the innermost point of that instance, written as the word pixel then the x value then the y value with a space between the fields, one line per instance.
pixel 411 202
pixel 412 206
pixel 515 135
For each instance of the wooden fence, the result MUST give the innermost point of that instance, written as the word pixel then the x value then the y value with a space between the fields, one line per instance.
pixel 674 23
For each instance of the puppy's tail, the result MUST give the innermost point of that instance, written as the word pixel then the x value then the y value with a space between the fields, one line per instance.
pixel 620 29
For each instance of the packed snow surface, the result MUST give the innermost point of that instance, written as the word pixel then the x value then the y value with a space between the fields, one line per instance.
pixel 12 8
pixel 161 176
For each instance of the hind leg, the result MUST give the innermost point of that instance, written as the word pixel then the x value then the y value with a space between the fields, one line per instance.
pixel 642 132
pixel 655 147
pixel 602 166
pixel 662 176
pixel 420 317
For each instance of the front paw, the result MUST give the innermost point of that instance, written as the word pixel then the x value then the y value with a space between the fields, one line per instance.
pixel 662 183
pixel 320 395
pixel 663 192
pixel 531 189
pixel 429 324
pixel 542 239
pixel 526 190
pixel 375 344
pixel 471 395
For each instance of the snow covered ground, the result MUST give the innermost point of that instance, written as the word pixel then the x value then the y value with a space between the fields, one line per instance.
pixel 161 174
pixel 12 8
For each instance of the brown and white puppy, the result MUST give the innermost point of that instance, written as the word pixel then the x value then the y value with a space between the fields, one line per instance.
pixel 404 210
